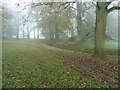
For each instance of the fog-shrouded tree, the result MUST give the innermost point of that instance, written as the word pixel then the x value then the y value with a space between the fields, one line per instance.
pixel 60 16
pixel 8 28
pixel 112 26
pixel 84 8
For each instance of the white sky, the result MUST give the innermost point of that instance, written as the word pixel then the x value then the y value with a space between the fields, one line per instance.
pixel 28 1
pixel 17 1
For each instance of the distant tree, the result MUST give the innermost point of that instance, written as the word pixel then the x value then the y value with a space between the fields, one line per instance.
pixel 112 26
pixel 8 28
pixel 55 20
pixel 82 19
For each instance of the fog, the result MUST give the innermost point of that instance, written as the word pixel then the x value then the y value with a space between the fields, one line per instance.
pixel 28 15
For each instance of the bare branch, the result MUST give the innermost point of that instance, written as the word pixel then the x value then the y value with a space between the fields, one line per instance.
pixel 40 4
pixel 113 8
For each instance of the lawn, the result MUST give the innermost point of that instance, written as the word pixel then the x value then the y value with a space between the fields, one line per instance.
pixel 33 64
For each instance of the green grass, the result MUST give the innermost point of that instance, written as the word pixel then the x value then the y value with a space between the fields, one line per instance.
pixel 112 44
pixel 87 47
pixel 90 45
pixel 27 64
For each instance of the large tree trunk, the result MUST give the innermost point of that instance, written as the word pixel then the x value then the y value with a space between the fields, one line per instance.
pixel 79 20
pixel 101 18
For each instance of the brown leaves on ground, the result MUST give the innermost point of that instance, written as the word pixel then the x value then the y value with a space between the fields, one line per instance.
pixel 103 69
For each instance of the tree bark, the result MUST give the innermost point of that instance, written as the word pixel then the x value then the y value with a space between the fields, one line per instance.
pixel 79 20
pixel 101 18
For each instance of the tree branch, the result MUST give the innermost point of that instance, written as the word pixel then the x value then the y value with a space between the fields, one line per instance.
pixel 113 8
pixel 108 3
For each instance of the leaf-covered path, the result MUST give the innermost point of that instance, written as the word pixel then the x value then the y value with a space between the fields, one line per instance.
pixel 32 64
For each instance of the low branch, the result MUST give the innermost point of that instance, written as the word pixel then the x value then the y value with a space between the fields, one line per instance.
pixel 113 8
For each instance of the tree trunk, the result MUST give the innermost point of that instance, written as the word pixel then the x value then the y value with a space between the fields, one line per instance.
pixel 23 32
pixel 3 33
pixel 101 18
pixel 56 33
pixel 17 33
pixel 3 28
pixel 57 21
pixel 79 20
pixel 72 32
pixel 34 34
pixel 38 34
pixel 37 23
pixel 28 33
pixel 18 25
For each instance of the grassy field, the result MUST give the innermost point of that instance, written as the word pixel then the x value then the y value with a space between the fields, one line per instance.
pixel 37 65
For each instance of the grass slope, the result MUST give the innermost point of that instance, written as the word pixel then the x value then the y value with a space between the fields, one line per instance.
pixel 36 65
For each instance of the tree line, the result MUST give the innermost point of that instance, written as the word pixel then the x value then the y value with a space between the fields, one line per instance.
pixel 73 21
